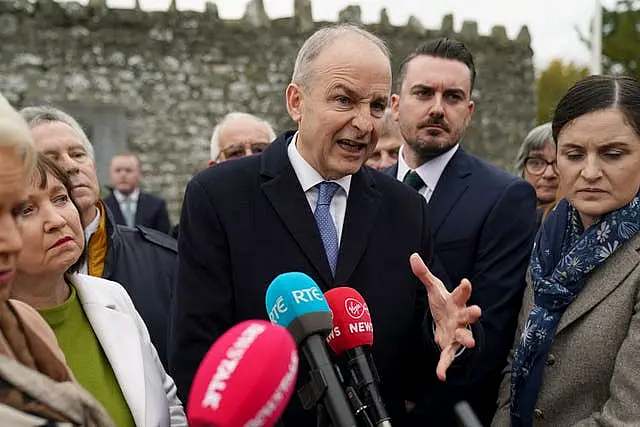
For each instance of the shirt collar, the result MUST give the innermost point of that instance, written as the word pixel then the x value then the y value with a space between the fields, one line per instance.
pixel 429 171
pixel 92 227
pixel 133 196
pixel 306 174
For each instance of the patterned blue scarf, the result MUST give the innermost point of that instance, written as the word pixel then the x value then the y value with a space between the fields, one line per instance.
pixel 563 256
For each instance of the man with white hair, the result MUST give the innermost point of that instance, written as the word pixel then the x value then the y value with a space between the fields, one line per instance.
pixel 141 259
pixel 306 204
pixel 238 135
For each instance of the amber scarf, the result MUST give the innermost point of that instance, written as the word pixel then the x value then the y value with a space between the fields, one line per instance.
pixel 97 251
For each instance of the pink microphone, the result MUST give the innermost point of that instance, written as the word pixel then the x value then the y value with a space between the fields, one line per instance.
pixel 245 379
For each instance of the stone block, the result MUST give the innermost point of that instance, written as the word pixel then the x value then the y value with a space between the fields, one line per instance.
pixel 351 14
pixel 256 15
pixel 303 16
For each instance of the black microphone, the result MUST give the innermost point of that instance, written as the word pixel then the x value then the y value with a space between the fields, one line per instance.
pixel 294 301
pixel 353 335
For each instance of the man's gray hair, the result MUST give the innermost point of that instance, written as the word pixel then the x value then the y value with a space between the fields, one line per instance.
pixel 322 39
pixel 228 118
pixel 46 114
pixel 15 134
pixel 535 140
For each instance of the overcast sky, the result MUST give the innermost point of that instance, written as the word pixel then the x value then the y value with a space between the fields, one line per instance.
pixel 552 23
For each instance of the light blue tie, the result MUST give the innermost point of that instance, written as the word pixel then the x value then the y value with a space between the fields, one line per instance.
pixel 128 214
pixel 325 222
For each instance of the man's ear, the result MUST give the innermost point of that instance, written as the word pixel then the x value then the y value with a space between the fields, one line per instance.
pixel 211 163
pixel 471 108
pixel 294 101
pixel 395 106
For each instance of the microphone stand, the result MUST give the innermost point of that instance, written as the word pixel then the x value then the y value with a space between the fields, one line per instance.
pixel 322 418
pixel 311 395
pixel 362 379
pixel 359 408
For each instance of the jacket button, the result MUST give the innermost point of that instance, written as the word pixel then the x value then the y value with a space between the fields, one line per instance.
pixel 538 414
pixel 551 360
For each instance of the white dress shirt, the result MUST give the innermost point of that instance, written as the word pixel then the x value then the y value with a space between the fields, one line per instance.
pixel 430 171
pixel 309 178
pixel 88 232
pixel 121 198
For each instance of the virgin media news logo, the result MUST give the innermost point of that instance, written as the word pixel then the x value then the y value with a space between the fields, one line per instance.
pixel 355 309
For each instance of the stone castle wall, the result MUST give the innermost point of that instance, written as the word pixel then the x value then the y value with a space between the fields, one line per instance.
pixel 157 82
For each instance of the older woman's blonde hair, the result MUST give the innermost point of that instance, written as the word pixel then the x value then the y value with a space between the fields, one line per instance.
pixel 15 134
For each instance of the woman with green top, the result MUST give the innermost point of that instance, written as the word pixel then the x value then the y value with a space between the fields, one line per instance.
pixel 104 340
pixel 36 385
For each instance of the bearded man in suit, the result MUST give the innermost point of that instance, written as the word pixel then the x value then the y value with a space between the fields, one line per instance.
pixel 481 217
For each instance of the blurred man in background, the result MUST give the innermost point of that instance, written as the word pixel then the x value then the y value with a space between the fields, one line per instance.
pixel 238 135
pixel 130 205
pixel 386 151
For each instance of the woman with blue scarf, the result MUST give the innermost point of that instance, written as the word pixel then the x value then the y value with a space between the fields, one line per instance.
pixel 576 359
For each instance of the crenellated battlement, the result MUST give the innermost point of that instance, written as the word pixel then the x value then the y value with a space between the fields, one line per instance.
pixel 97 14
pixel 156 82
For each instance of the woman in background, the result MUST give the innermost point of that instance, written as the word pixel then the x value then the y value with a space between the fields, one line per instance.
pixel 536 163
pixel 577 359
pixel 106 343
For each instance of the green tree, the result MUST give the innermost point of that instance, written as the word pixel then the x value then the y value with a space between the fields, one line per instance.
pixel 621 38
pixel 553 83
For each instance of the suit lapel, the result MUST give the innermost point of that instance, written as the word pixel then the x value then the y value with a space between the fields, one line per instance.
pixel 284 192
pixel 392 170
pixel 603 281
pixel 362 208
pixel 140 209
pixel 451 185
pixel 119 339
pixel 113 204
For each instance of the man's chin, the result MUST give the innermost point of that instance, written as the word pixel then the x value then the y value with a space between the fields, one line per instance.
pixel 428 148
pixel 353 166
pixel 343 169
pixel 86 203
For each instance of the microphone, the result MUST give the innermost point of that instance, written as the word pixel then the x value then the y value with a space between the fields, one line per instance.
pixel 352 334
pixel 236 385
pixel 293 300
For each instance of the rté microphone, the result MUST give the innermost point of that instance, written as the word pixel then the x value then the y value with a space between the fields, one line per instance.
pixel 295 301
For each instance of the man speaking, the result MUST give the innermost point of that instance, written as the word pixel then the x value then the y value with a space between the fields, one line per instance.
pixel 306 205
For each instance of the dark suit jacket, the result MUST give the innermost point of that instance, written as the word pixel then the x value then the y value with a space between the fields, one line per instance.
pixel 483 222
pixel 151 212
pixel 143 261
pixel 246 221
